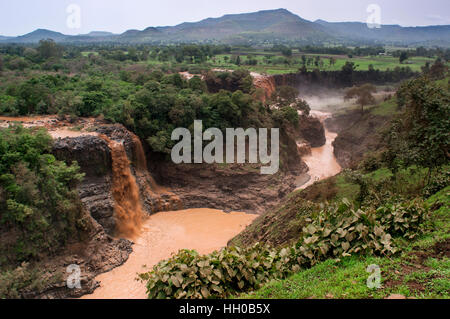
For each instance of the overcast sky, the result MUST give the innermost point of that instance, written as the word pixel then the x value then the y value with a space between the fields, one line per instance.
pixel 18 17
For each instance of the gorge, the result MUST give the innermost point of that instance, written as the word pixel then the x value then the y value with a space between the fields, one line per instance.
pixel 135 194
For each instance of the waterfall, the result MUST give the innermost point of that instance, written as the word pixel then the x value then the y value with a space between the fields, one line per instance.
pixel 128 209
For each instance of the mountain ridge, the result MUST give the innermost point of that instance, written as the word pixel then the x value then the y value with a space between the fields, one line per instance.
pixel 266 26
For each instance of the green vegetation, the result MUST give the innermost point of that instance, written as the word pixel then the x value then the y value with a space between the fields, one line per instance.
pixel 394 200
pixel 422 270
pixel 149 100
pixel 39 205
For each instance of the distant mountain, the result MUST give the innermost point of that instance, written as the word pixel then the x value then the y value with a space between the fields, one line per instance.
pixel 269 26
pixel 38 35
pixel 360 33
pixel 99 34
pixel 3 38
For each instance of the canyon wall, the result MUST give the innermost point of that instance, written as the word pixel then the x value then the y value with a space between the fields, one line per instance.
pixel 357 134
pixel 107 182
pixel 266 83
pixel 232 187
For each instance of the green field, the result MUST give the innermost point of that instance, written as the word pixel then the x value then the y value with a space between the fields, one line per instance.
pixel 381 63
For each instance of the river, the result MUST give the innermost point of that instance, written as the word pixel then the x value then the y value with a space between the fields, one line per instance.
pixel 321 162
pixel 163 234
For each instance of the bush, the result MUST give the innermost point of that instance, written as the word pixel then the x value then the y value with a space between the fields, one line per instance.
pixel 439 181
pixel 14 281
pixel 404 219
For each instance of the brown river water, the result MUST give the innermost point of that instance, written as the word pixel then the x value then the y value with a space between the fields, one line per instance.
pixel 322 162
pixel 163 234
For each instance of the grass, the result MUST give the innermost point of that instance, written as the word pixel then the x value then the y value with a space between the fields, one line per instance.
pixel 381 63
pixel 346 189
pixel 386 108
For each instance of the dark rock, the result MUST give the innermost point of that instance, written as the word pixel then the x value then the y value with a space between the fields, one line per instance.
pixel 312 131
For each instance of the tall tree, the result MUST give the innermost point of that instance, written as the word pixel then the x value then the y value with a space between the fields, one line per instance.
pixel 403 57
pixel 49 49
pixel 363 94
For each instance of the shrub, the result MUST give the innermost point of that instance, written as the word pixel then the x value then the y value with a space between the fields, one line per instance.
pixel 438 181
pixel 14 281
pixel 404 219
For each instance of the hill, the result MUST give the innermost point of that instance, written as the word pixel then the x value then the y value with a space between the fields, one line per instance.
pixel 387 34
pixel 38 35
pixel 262 27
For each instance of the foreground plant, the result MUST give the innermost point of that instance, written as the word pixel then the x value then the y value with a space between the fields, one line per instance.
pixel 337 231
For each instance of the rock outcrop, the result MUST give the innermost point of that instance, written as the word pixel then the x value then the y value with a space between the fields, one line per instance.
pixel 357 134
pixel 232 187
pixel 97 254
pixel 312 131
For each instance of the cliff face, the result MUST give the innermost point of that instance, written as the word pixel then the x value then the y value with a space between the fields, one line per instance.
pixel 94 156
pixel 357 134
pixel 266 83
pixel 312 131
pixel 232 187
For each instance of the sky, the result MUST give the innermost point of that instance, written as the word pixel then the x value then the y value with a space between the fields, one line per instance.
pixel 18 17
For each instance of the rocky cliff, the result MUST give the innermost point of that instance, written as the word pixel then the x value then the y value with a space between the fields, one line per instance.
pixel 357 134
pixel 94 156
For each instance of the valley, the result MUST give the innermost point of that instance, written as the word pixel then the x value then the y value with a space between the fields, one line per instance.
pixel 95 205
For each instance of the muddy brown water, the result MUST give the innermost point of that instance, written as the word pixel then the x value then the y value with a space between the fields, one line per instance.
pixel 164 234
pixel 321 162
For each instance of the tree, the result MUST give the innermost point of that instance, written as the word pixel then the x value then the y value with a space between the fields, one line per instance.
pixel 284 96
pixel 39 203
pixel 332 61
pixel 363 94
pixel 403 56
pixel 49 49
pixel 238 60
pixel 347 73
pixel 287 52
pixel 420 136
pixel 304 60
pixel 288 96
pixel 438 69
pixel 317 61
